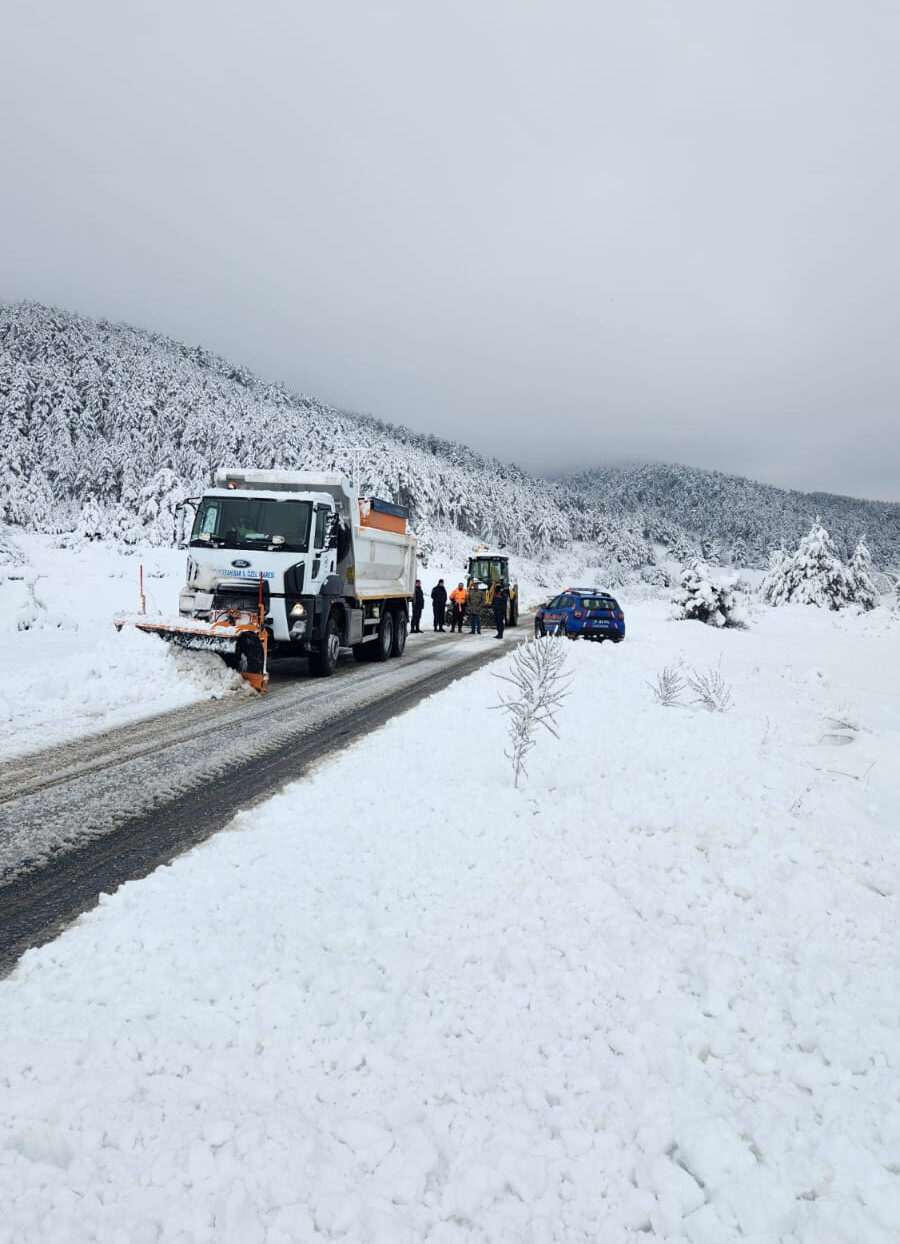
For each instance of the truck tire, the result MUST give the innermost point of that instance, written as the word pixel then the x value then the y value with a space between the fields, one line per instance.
pixel 383 645
pixel 324 662
pixel 400 632
pixel 248 656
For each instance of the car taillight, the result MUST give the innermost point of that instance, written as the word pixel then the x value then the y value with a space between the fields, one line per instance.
pixel 620 616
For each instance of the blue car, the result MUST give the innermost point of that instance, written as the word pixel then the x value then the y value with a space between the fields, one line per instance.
pixel 585 612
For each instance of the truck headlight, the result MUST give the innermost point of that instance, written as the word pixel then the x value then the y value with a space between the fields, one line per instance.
pixel 299 610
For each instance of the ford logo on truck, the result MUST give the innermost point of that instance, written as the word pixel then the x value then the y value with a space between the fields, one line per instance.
pixel 240 563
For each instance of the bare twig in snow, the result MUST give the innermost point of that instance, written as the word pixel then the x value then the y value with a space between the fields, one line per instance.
pixel 668 686
pixel 536 674
pixel 711 690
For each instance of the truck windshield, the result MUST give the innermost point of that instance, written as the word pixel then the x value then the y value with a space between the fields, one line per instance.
pixel 251 522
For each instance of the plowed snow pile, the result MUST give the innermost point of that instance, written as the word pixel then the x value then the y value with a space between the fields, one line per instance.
pixel 650 995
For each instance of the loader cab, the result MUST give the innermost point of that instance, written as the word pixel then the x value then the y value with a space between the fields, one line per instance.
pixel 490 570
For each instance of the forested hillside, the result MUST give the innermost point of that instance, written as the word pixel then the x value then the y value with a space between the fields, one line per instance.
pixel 730 518
pixel 105 427
pixel 121 422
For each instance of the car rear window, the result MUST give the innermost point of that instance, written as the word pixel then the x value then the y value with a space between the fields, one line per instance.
pixel 598 602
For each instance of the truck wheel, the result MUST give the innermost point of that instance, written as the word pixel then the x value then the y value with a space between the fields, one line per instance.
pixel 247 657
pixel 400 632
pixel 385 642
pixel 324 662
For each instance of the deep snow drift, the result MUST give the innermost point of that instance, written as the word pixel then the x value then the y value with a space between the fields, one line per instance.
pixel 653 994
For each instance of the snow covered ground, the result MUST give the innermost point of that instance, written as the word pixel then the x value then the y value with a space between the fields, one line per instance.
pixel 651 994
pixel 71 673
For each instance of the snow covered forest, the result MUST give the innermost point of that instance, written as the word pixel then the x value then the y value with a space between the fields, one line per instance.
pixel 730 518
pixel 104 428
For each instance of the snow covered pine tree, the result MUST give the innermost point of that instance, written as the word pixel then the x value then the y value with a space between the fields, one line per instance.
pixel 814 575
pixel 701 598
pixel 864 589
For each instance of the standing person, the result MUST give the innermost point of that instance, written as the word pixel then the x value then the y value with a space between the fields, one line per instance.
pixel 458 601
pixel 476 604
pixel 418 606
pixel 499 607
pixel 439 604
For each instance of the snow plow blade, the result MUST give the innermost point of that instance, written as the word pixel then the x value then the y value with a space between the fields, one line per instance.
pixel 236 635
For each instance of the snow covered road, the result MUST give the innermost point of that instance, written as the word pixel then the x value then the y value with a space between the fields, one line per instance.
pixel 82 818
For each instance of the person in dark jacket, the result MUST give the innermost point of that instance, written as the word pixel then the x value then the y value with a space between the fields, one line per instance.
pixel 499 606
pixel 418 606
pixel 439 604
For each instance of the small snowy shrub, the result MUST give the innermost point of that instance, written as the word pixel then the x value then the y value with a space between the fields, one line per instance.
pixel 11 552
pixel 90 521
pixel 711 690
pixel 21 609
pixel 536 673
pixel 32 614
pixel 701 598
pixel 814 575
pixel 668 686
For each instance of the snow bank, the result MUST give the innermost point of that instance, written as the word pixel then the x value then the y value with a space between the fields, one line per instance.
pixel 69 672
pixel 652 994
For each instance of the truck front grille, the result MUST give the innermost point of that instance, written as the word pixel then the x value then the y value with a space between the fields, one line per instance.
pixel 235 597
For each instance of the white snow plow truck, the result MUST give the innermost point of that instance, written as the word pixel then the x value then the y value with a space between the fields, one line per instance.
pixel 292 564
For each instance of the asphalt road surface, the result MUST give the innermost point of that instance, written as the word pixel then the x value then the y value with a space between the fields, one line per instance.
pixel 79 820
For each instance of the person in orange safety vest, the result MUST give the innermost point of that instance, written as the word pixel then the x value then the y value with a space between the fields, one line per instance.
pixel 458 601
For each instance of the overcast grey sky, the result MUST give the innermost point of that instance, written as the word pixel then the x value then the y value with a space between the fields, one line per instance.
pixel 564 232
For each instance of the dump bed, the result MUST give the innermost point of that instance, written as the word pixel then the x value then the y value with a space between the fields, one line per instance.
pixel 383 564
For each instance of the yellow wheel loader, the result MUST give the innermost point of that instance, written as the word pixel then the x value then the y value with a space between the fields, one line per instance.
pixel 486 571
